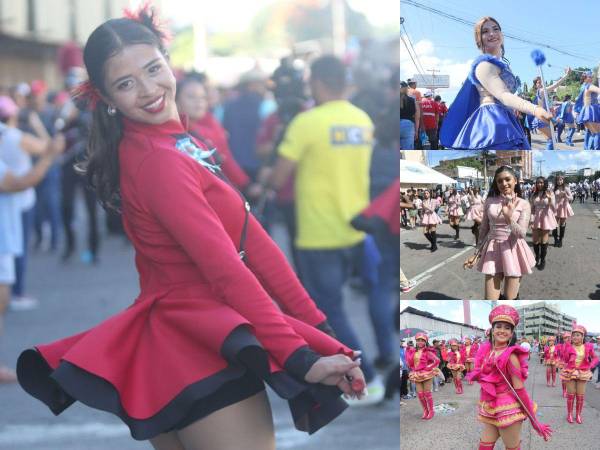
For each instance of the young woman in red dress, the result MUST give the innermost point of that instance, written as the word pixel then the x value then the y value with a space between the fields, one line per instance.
pixel 186 364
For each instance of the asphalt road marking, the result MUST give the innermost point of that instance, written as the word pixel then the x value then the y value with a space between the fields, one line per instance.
pixel 420 278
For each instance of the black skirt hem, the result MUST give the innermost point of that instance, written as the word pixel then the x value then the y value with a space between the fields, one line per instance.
pixel 312 405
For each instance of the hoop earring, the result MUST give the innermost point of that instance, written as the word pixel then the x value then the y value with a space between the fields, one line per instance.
pixel 111 110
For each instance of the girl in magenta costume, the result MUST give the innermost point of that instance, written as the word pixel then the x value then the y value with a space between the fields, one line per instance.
pixel 469 350
pixel 504 403
pixel 543 206
pixel 430 219
pixel 505 255
pixel 455 212
pixel 551 359
pixel 456 363
pixel 185 364
pixel 580 360
pixel 562 352
pixel 563 196
pixel 423 363
pixel 475 211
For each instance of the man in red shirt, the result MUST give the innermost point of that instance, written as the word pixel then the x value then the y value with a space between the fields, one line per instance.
pixel 429 116
pixel 443 109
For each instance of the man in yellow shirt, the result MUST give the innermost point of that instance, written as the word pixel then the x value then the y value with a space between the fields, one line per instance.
pixel 329 146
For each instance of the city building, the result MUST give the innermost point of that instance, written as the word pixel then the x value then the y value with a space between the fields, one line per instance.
pixel 414 155
pixel 543 319
pixel 436 327
pixel 32 33
pixel 520 160
pixel 466 176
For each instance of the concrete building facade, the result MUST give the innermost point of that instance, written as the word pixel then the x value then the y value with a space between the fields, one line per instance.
pixel 543 319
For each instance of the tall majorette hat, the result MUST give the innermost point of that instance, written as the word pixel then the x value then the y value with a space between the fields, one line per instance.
pixel 504 313
pixel 421 335
pixel 579 329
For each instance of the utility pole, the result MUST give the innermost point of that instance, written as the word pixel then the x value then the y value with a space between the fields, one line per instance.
pixel 540 161
pixel 338 19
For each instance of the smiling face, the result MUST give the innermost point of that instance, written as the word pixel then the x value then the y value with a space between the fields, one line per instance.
pixel 539 185
pixel 491 37
pixel 140 84
pixel 193 100
pixel 577 338
pixel 502 333
pixel 505 181
pixel 426 194
pixel 420 343
pixel 560 181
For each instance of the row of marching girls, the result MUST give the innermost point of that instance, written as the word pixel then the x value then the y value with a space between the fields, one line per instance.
pixel 576 359
pixel 455 212
pixel 550 211
pixel 502 252
pixel 460 359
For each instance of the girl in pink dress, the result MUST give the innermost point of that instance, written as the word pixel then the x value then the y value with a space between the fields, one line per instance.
pixel 543 205
pixel 551 359
pixel 456 364
pixel 469 350
pixel 562 352
pixel 475 211
pixel 580 360
pixel 430 219
pixel 455 212
pixel 505 255
pixel 504 403
pixel 423 363
pixel 563 196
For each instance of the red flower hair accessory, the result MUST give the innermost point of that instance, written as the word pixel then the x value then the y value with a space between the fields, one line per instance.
pixel 147 16
pixel 87 92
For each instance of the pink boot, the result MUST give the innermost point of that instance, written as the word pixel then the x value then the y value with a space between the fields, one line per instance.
pixel 570 401
pixel 486 445
pixel 460 386
pixel 579 408
pixel 423 401
pixel 429 399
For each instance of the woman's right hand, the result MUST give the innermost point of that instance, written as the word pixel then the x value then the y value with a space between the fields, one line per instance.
pixel 542 114
pixel 340 371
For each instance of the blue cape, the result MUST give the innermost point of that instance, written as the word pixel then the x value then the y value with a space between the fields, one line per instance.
pixel 466 101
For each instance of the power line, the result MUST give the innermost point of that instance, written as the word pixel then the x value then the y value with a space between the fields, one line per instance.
pixel 421 72
pixel 419 66
pixel 508 35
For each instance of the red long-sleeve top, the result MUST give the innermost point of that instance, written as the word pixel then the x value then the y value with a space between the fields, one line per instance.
pixel 590 360
pixel 186 224
pixel 427 361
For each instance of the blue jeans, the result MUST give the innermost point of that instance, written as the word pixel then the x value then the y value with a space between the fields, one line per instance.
pixel 48 205
pixel 382 294
pixel 324 273
pixel 18 289
pixel 407 134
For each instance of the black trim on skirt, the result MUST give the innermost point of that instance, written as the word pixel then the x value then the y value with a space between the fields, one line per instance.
pixel 312 405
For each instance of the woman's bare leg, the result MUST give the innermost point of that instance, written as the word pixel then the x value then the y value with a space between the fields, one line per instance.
pixel 167 441
pixel 493 284
pixel 244 425
pixel 489 433
pixel 511 287
pixel 511 435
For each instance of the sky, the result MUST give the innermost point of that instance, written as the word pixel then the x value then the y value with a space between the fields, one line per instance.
pixel 551 160
pixel 449 46
pixel 235 15
pixel 587 312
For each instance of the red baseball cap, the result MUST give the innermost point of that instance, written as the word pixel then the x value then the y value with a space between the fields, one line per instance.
pixel 38 87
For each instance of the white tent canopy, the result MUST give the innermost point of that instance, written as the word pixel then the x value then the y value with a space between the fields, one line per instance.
pixel 413 172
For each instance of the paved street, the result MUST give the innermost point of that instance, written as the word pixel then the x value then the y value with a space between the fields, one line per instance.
pixel 75 297
pixel 538 142
pixel 571 272
pixel 460 430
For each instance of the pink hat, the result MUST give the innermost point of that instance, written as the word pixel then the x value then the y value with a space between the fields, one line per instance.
pixel 421 336
pixel 8 107
pixel 504 313
pixel 38 87
pixel 566 334
pixel 453 342
pixel 580 329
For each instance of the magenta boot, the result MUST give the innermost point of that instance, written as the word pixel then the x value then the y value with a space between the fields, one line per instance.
pixel 570 401
pixel 429 399
pixel 423 401
pixel 579 408
pixel 486 445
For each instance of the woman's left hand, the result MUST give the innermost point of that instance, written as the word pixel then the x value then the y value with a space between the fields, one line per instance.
pixel 340 371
